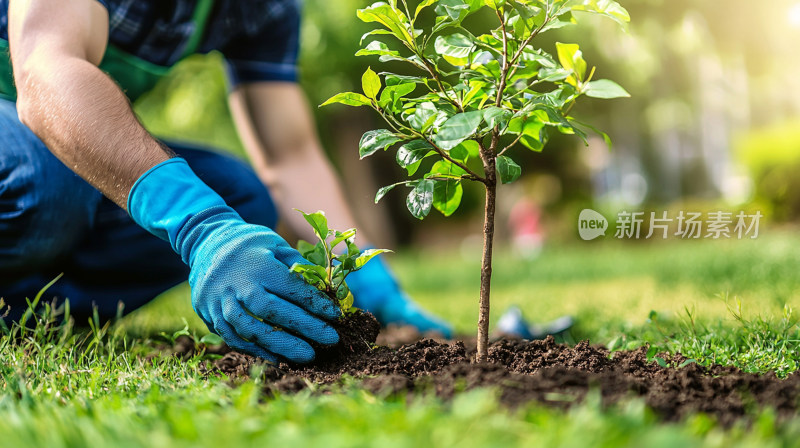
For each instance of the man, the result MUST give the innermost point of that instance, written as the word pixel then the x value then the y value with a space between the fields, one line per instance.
pixel 67 131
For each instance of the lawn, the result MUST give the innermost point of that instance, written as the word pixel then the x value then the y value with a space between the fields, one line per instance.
pixel 728 302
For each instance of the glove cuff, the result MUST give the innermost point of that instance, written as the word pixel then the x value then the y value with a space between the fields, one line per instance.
pixel 169 197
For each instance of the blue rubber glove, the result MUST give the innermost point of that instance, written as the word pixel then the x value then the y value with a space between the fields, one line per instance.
pixel 375 290
pixel 237 270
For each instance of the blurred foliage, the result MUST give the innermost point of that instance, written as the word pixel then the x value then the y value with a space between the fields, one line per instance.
pixel 190 105
pixel 772 157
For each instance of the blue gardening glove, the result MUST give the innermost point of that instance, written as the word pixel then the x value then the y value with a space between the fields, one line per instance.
pixel 375 290
pixel 239 273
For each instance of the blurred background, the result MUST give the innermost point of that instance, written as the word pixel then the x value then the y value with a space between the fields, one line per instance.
pixel 713 123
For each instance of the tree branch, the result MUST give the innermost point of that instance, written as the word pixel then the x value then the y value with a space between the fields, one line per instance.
pixel 455 162
pixel 510 144
pixel 521 49
pixel 499 96
pixel 435 75
pixel 463 177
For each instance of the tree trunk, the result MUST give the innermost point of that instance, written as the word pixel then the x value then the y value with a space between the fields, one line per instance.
pixel 486 266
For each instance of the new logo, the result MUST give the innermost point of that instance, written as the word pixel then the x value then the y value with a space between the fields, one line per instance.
pixel 591 224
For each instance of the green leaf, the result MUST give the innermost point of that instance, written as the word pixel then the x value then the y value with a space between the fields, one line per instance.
pixel 341 236
pixel 391 94
pixel 531 14
pixel 370 83
pixel 420 200
pixel 393 79
pixel 615 344
pixel 352 249
pixel 346 303
pixel 392 18
pixel 540 57
pixel 348 98
pixel 550 116
pixel 687 362
pixel 412 152
pixel 458 128
pixel 605 88
pixel 312 274
pixel 374 32
pixel 571 58
pixel 377 48
pixel 374 140
pixel 608 8
pixel 476 92
pixel 452 9
pixel 315 253
pixel 367 255
pixel 553 74
pixel 494 4
pixel 211 339
pixel 455 48
pixel 383 190
pixel 496 116
pixel 530 127
pixel 660 361
pixel 447 193
pixel 473 148
pixel 411 169
pixel 597 131
pixel 563 20
pixel 318 222
pixel 422 6
pixel 419 119
pixel 508 169
pixel 342 291
pixel 460 152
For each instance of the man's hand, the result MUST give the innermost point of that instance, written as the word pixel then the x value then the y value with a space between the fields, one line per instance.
pixel 241 284
pixel 242 287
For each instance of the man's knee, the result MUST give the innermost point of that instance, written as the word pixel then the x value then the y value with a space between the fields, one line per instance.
pixel 44 207
pixel 235 181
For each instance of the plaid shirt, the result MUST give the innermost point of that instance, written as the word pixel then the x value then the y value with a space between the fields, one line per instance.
pixel 259 38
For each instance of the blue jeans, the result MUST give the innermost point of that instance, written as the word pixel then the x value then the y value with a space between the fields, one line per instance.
pixel 52 222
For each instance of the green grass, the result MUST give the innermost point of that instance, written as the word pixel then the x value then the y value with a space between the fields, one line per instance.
pixel 724 302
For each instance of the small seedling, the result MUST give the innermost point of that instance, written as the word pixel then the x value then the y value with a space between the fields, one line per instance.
pixel 328 271
pixel 475 96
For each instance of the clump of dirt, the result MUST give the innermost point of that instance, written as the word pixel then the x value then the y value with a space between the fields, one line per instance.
pixel 357 334
pixel 542 371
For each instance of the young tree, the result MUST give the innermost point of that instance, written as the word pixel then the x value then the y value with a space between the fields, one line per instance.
pixel 475 96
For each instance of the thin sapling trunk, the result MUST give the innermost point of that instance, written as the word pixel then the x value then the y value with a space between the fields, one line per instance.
pixel 467 87
pixel 486 264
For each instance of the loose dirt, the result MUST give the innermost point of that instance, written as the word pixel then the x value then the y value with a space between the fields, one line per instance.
pixel 523 371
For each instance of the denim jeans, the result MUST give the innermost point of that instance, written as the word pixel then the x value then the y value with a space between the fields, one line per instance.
pixel 52 222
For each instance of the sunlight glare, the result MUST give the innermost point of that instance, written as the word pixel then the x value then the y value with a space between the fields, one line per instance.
pixel 794 15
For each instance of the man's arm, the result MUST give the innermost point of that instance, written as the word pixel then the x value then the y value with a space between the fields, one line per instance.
pixel 79 113
pixel 277 128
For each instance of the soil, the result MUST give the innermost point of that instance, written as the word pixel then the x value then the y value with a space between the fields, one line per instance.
pixel 522 371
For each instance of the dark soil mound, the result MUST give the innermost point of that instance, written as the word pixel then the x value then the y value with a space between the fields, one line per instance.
pixel 357 335
pixel 544 371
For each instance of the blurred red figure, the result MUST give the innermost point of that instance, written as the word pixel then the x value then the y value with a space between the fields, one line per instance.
pixel 526 228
